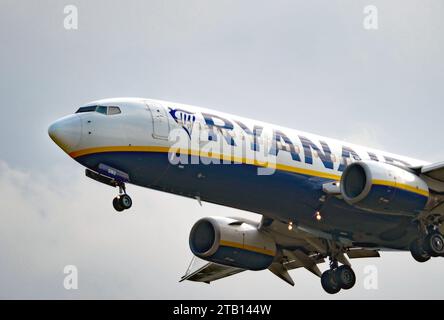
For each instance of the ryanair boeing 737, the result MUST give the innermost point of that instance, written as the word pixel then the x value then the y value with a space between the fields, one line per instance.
pixel 319 198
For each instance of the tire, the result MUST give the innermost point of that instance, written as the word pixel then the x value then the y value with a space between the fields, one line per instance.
pixel 345 277
pixel 417 251
pixel 434 244
pixel 125 201
pixel 116 204
pixel 328 282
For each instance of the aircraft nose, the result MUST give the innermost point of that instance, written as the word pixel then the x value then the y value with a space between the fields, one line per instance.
pixel 66 132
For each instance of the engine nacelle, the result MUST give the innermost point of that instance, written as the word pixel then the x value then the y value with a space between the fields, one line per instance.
pixel 232 242
pixel 383 188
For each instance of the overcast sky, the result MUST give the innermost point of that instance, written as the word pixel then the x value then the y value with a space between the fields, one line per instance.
pixel 308 65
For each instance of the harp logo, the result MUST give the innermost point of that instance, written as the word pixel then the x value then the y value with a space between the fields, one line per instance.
pixel 184 118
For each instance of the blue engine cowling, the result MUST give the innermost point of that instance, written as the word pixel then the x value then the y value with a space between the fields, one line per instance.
pixel 383 188
pixel 232 242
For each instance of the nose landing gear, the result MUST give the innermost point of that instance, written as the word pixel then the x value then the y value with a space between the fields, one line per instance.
pixel 122 201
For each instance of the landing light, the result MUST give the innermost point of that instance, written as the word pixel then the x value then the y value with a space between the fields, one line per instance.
pixel 290 226
pixel 318 216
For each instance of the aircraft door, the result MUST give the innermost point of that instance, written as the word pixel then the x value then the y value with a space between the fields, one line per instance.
pixel 159 116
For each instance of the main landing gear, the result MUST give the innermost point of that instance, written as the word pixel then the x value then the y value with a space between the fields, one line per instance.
pixel 337 277
pixel 427 246
pixel 430 241
pixel 122 201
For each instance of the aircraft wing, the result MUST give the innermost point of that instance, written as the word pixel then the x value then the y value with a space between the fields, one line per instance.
pixel 299 249
pixel 204 271
pixel 434 171
pixel 304 249
pixel 433 175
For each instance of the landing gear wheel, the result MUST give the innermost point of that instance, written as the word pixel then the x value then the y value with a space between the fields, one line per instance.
pixel 125 201
pixel 434 244
pixel 329 283
pixel 345 277
pixel 122 201
pixel 117 205
pixel 418 252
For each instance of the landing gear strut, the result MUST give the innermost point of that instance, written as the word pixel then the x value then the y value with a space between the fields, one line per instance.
pixel 337 277
pixel 122 201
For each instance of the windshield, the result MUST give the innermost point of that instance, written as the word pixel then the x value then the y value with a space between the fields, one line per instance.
pixel 111 110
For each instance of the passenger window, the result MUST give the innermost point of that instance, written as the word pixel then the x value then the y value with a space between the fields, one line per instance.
pixel 113 110
pixel 101 109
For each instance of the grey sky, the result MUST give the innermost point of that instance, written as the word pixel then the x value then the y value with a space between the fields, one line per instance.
pixel 308 65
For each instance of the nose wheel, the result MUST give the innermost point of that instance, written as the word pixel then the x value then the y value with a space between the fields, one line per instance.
pixel 122 201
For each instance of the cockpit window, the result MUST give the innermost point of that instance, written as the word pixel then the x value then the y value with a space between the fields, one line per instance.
pixel 100 109
pixel 113 110
pixel 86 109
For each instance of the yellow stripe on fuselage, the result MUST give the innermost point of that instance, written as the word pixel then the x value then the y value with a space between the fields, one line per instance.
pixel 401 186
pixel 315 173
pixel 84 152
pixel 247 247
pixel 282 167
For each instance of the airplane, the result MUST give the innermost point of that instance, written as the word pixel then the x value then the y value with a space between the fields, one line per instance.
pixel 318 198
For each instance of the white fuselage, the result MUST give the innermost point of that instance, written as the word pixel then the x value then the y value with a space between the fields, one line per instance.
pixel 200 153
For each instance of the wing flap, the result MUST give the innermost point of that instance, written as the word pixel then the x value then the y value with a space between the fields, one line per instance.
pixel 281 271
pixel 299 259
pixel 203 271
pixel 362 253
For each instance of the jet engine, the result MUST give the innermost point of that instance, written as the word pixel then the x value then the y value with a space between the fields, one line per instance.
pixel 383 188
pixel 232 242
